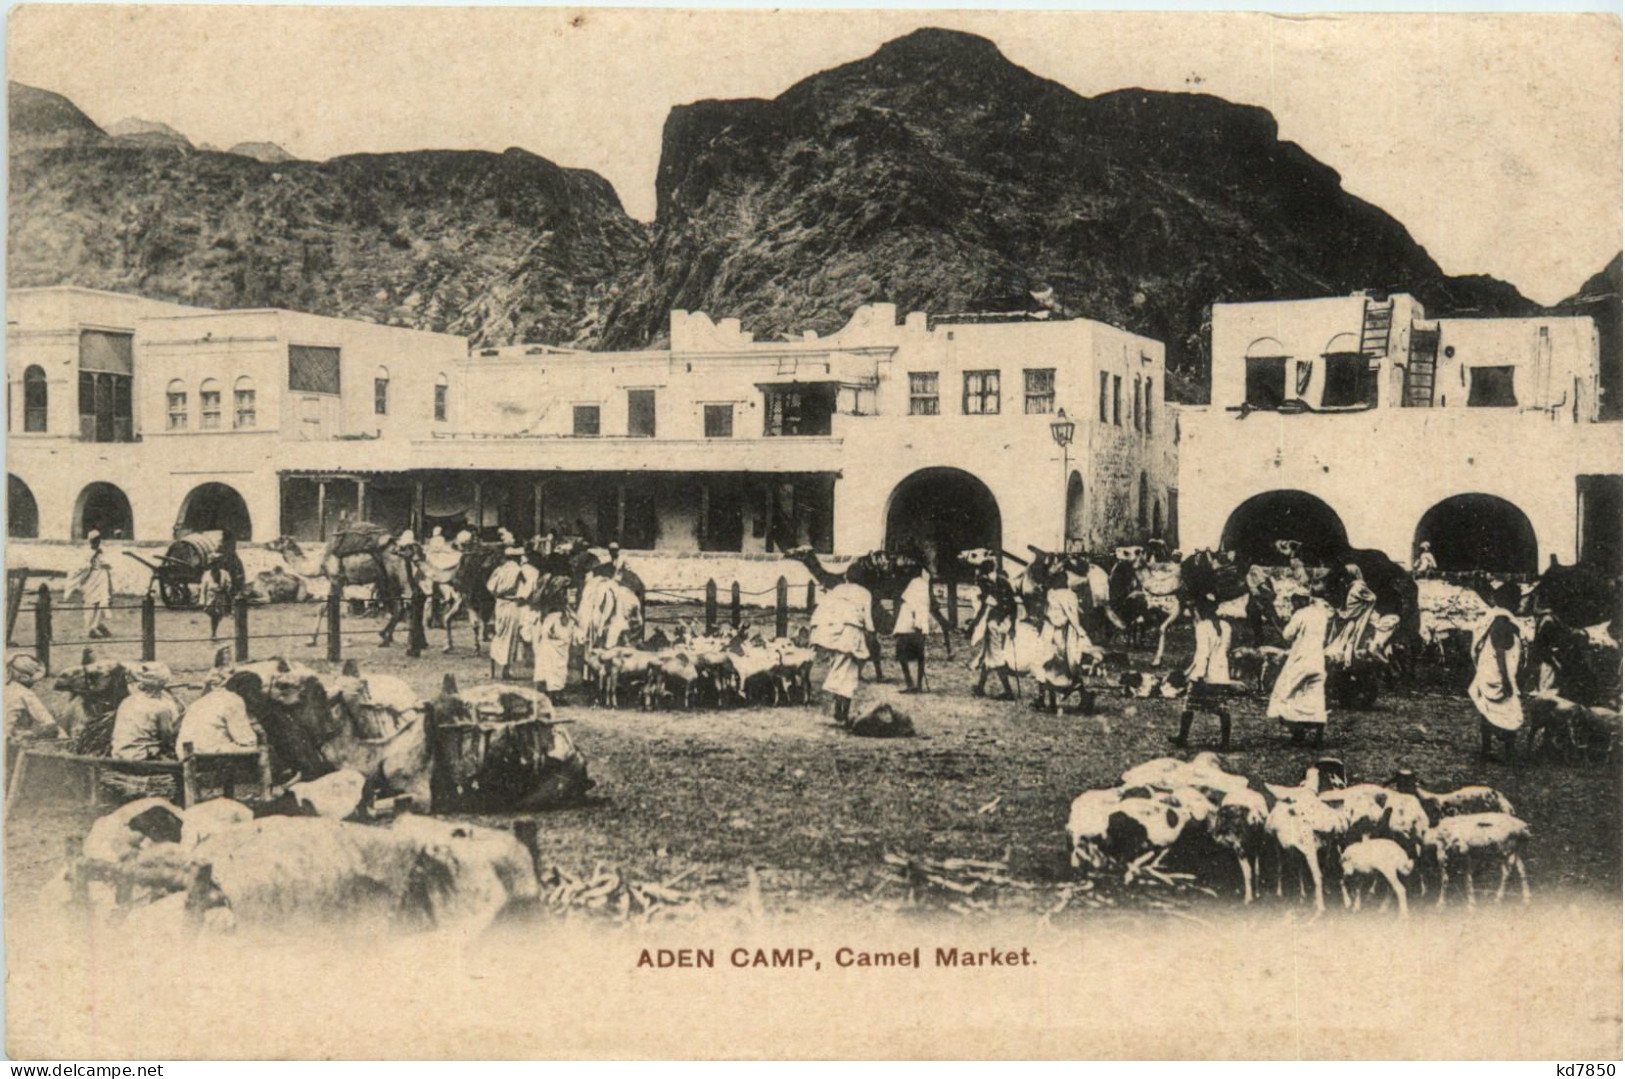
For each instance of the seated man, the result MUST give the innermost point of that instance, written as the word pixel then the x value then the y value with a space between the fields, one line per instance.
pixel 216 722
pixel 146 722
pixel 27 717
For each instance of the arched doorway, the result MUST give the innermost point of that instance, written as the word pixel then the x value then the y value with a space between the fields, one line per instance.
pixel 1258 522
pixel 942 511
pixel 22 512
pixel 1077 514
pixel 102 507
pixel 214 507
pixel 1479 532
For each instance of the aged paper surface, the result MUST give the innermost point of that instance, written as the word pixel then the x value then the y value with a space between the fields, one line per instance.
pixel 554 533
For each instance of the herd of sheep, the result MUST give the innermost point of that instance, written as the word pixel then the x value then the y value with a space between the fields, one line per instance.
pixel 691 665
pixel 1397 835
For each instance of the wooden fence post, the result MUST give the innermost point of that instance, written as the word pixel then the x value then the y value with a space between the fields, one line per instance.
pixel 953 603
pixel 710 606
pixel 239 615
pixel 42 627
pixel 781 609
pixel 149 627
pixel 189 787
pixel 734 603
pixel 812 596
pixel 335 605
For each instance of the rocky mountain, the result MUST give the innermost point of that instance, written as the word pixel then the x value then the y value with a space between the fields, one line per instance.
pixel 1599 297
pixel 268 152
pixel 501 247
pixel 939 175
pixel 149 131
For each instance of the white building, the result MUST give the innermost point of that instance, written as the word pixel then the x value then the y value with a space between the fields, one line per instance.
pixel 1362 420
pixel 882 434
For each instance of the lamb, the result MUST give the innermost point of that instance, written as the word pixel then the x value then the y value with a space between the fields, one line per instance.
pixel 1301 823
pixel 1378 812
pixel 1087 823
pixel 1238 827
pixel 1368 859
pixel 1460 841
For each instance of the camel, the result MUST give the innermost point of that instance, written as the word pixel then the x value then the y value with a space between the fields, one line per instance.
pixel 876 571
pixel 383 566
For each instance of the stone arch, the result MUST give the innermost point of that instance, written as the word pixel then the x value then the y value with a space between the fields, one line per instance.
pixel 212 507
pixel 1265 348
pixel 1255 525
pixel 943 511
pixel 1477 531
pixel 104 508
pixel 22 511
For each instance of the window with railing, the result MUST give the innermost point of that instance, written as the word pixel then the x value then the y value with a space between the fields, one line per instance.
pixel 176 398
pixel 1039 391
pixel 244 409
pixel 923 396
pixel 981 393
pixel 36 400
pixel 800 411
pixel 106 386
pixel 208 399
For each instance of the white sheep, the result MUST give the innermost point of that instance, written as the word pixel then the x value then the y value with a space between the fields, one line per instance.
pixel 1137 825
pixel 1301 824
pixel 1461 841
pixel 1087 823
pixel 1462 801
pixel 1367 859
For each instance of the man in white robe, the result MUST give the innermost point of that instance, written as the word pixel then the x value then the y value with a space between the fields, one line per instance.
pixel 1299 697
pixel 841 625
pixel 1497 653
pixel 510 585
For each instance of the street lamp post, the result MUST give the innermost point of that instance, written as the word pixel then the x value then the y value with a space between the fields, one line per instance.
pixel 1061 429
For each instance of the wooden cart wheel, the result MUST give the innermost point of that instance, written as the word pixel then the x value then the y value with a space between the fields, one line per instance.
pixel 177 595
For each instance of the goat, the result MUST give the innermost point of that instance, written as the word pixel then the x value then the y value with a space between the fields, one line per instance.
pixel 1238 827
pixel 1367 859
pixel 1459 841
pixel 1462 801
pixel 1087 823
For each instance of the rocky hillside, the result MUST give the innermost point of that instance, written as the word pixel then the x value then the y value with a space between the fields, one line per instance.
pixel 1599 297
pixel 268 152
pixel 938 175
pixel 502 247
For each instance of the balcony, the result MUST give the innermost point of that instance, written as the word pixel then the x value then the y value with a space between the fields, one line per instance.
pixel 552 453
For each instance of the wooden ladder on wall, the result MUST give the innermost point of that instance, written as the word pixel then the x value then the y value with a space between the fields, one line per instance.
pixel 1379 325
pixel 1422 369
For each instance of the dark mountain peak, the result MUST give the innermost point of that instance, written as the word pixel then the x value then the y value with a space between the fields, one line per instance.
pixel 935 45
pixel 1600 298
pixel 39 118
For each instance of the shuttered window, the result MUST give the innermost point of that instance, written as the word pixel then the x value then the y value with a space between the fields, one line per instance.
pixel 313 369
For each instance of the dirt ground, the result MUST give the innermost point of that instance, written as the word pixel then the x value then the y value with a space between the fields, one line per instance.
pixel 813 811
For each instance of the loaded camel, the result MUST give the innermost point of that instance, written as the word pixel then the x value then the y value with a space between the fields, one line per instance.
pixel 339 563
pixel 882 573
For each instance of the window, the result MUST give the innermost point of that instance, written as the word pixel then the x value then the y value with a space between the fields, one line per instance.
pixel 313 369
pixel 442 398
pixel 380 392
pixel 585 421
pixel 923 397
pixel 1117 400
pixel 803 411
pixel 1137 412
pixel 208 398
pixel 177 406
pixel 1105 389
pixel 1491 387
pixel 719 421
pixel 243 406
pixel 1266 381
pixel 36 399
pixel 981 393
pixel 640 413
pixel 1150 405
pixel 1349 380
pixel 1040 390
pixel 106 388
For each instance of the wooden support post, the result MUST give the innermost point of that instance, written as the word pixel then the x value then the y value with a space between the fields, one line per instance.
pixel 536 515
pixel 16 588
pixel 335 604
pixel 620 513
pixel 264 762
pixel 736 613
pixel 321 509
pixel 781 609
pixel 42 627
pixel 149 627
pixel 812 596
pixel 953 603
pixel 189 793
pixel 710 606
pixel 360 500
pixel 419 525
pixel 239 614
pixel 479 508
